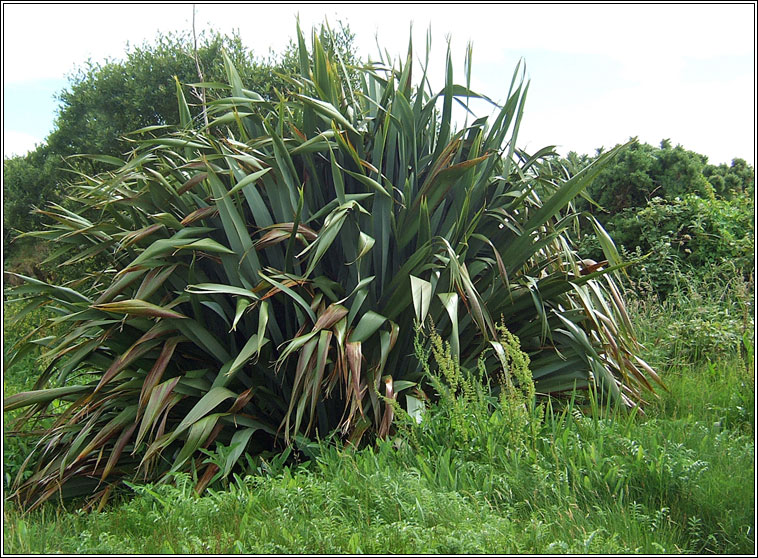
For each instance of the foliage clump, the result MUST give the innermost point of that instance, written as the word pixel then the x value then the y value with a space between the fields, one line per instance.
pixel 479 410
pixel 675 215
pixel 264 271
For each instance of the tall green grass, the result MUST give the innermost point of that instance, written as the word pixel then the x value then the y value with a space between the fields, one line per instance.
pixel 19 376
pixel 678 479
pixel 704 319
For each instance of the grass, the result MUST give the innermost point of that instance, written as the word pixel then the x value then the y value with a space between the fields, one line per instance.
pixel 704 319
pixel 678 479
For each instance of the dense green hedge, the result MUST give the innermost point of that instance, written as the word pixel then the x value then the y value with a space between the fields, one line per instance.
pixel 675 213
pixel 685 236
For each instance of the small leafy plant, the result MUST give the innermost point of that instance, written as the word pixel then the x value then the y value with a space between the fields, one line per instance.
pixel 482 412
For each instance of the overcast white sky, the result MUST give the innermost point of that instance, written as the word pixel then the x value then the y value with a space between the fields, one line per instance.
pixel 599 73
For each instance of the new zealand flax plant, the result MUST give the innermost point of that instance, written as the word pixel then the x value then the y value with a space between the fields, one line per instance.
pixel 266 271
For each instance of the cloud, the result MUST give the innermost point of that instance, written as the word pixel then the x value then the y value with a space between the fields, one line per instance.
pixel 50 41
pixel 715 119
pixel 629 33
pixel 18 143
pixel 652 48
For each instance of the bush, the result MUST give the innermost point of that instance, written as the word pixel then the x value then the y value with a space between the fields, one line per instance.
pixel 27 184
pixel 643 172
pixel 684 238
pixel 264 274
pixel 470 411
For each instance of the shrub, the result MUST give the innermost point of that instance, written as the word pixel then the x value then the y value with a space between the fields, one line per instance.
pixel 685 237
pixel 265 273
pixel 470 411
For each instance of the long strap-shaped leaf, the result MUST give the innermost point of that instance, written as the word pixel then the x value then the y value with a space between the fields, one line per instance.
pixel 520 249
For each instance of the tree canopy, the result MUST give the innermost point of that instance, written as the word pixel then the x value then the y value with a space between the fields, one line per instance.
pixel 644 172
pixel 107 100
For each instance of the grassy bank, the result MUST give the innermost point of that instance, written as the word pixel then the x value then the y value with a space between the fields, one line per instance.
pixel 679 479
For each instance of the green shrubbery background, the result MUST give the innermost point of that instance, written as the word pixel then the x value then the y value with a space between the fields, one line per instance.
pixel 674 213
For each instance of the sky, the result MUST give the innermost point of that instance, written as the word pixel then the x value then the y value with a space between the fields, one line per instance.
pixel 599 74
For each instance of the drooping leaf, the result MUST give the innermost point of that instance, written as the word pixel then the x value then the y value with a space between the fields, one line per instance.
pixel 136 307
